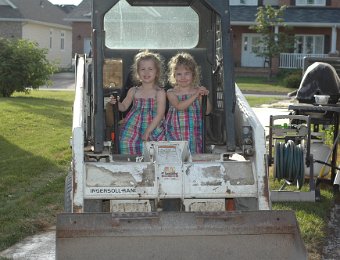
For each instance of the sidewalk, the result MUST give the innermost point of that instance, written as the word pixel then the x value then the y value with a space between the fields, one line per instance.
pixel 264 112
pixel 37 247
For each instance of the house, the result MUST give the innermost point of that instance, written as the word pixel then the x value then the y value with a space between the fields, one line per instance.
pixel 315 23
pixel 80 18
pixel 41 22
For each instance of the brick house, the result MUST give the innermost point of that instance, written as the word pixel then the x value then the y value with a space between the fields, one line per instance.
pixel 315 23
pixel 80 17
pixel 41 22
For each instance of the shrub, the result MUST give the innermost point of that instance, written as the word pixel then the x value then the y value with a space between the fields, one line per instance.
pixel 292 81
pixel 282 73
pixel 23 65
pixel 290 78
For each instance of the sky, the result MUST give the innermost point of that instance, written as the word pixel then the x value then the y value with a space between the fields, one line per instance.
pixel 65 2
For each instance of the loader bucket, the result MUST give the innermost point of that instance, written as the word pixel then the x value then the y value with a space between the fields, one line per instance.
pixel 179 235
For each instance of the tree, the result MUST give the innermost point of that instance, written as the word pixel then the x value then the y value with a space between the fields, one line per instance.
pixel 272 43
pixel 23 65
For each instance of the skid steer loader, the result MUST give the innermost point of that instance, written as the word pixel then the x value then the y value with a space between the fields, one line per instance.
pixel 168 203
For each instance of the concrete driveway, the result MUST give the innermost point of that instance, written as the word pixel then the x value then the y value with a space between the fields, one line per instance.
pixel 61 81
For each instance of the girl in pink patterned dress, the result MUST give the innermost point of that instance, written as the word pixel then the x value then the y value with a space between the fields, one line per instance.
pixel 144 122
pixel 184 118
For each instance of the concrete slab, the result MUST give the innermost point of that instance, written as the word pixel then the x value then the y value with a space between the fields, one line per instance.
pixel 38 247
pixel 61 81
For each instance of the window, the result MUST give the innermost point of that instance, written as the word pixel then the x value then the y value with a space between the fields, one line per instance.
pixel 244 2
pixel 131 27
pixel 310 2
pixel 309 44
pixel 256 44
pixel 51 39
pixel 62 40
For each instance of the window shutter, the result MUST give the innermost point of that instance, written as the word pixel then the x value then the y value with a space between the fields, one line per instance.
pixel 328 2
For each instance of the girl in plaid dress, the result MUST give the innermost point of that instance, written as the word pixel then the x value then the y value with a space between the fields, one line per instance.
pixel 144 122
pixel 184 118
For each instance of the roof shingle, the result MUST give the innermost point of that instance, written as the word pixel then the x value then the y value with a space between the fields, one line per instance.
pixel 34 10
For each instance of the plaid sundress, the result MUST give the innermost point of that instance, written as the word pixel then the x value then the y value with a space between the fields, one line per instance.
pixel 185 125
pixel 135 123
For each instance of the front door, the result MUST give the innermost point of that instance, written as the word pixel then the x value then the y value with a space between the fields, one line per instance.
pixel 249 44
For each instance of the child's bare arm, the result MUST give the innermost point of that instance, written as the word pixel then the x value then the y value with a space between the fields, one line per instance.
pixel 124 105
pixel 181 105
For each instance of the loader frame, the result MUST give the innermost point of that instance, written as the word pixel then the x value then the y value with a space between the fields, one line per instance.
pixel 169 195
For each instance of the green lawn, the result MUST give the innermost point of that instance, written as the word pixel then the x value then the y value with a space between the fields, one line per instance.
pixel 261 84
pixel 34 157
pixel 257 101
pixel 312 216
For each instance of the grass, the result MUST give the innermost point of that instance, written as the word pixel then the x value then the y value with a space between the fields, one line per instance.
pixel 34 157
pixel 261 84
pixel 257 101
pixel 258 85
pixel 311 216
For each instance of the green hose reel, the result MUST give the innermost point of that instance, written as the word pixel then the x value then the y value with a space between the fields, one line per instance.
pixel 289 162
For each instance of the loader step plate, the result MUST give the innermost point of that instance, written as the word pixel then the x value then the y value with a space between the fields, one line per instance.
pixel 179 235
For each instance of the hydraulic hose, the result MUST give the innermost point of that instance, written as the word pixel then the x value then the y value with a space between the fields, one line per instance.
pixel 289 163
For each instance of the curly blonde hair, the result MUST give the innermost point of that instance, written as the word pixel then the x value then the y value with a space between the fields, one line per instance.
pixel 147 55
pixel 188 61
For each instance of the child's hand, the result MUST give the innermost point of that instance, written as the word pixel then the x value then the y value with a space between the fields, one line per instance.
pixel 113 100
pixel 145 136
pixel 202 91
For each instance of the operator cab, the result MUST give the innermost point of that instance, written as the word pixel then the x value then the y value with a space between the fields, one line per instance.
pixel 167 29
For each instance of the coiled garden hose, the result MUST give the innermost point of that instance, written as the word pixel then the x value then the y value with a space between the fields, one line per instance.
pixel 289 163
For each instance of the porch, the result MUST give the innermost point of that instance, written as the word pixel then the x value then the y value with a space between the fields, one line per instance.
pixel 286 61
pixel 296 60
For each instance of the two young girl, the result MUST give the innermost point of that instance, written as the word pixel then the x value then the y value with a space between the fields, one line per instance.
pixel 146 120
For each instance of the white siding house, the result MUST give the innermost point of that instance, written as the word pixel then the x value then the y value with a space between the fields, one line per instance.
pixel 41 22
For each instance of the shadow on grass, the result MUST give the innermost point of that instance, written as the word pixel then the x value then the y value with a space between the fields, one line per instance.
pixel 31 191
